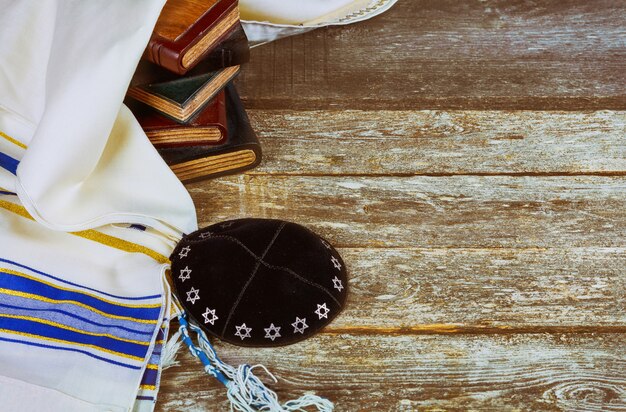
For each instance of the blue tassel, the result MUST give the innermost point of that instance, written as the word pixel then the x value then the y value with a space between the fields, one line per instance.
pixel 246 392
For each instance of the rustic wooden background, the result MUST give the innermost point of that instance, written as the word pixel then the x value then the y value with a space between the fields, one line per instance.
pixel 469 160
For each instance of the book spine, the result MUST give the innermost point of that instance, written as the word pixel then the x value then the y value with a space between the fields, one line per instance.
pixel 164 55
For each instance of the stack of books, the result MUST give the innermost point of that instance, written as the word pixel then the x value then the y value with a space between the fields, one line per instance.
pixel 182 92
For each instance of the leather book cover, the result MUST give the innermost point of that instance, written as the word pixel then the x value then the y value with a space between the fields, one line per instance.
pixel 233 50
pixel 208 127
pixel 182 98
pixel 187 29
pixel 240 152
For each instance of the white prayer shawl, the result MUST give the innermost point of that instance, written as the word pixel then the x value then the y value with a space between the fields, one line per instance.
pixel 88 210
pixel 268 20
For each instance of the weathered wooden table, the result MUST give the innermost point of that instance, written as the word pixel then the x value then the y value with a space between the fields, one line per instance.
pixel 469 159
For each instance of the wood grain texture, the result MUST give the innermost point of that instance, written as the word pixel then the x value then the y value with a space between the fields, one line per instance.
pixel 542 372
pixel 452 54
pixel 485 245
pixel 430 212
pixel 402 142
pixel 484 290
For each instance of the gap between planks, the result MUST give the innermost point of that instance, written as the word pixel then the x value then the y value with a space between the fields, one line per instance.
pixel 452 174
pixel 452 329
pixel 526 103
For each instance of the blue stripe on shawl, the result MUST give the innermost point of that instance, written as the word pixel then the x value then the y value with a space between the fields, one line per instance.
pixel 8 163
pixel 49 331
pixel 42 345
pixel 150 377
pixel 76 312
pixel 3 192
pixel 155 356
pixel 77 285
pixel 74 322
pixel 18 283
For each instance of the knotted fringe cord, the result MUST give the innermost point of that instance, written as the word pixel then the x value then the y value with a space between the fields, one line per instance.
pixel 245 391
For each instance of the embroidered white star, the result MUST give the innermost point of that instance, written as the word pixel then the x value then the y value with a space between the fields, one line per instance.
pixel 336 262
pixel 322 311
pixel 184 251
pixel 193 295
pixel 337 284
pixel 325 243
pixel 299 325
pixel 226 225
pixel 246 331
pixel 211 319
pixel 272 332
pixel 205 235
pixel 184 274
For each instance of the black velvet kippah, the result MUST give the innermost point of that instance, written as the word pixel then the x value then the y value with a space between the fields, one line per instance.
pixel 259 282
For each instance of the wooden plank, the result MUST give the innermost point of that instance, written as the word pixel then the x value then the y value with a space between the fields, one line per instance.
pixel 355 142
pixel 450 54
pixel 538 372
pixel 430 212
pixel 486 290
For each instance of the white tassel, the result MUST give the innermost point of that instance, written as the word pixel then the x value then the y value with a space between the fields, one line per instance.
pixel 323 405
pixel 169 351
pixel 246 392
pixel 249 388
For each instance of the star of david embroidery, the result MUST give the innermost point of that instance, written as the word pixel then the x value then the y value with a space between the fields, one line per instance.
pixel 246 331
pixel 299 325
pixel 211 319
pixel 336 262
pixel 325 243
pixel 272 332
pixel 322 311
pixel 184 274
pixel 205 235
pixel 184 251
pixel 193 295
pixel 337 284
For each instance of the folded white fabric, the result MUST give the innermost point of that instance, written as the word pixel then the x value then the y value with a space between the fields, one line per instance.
pixel 267 20
pixel 88 210
pixel 65 66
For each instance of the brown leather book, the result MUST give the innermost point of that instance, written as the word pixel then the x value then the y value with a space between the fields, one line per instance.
pixel 232 50
pixel 187 30
pixel 208 127
pixel 182 98
pixel 241 150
